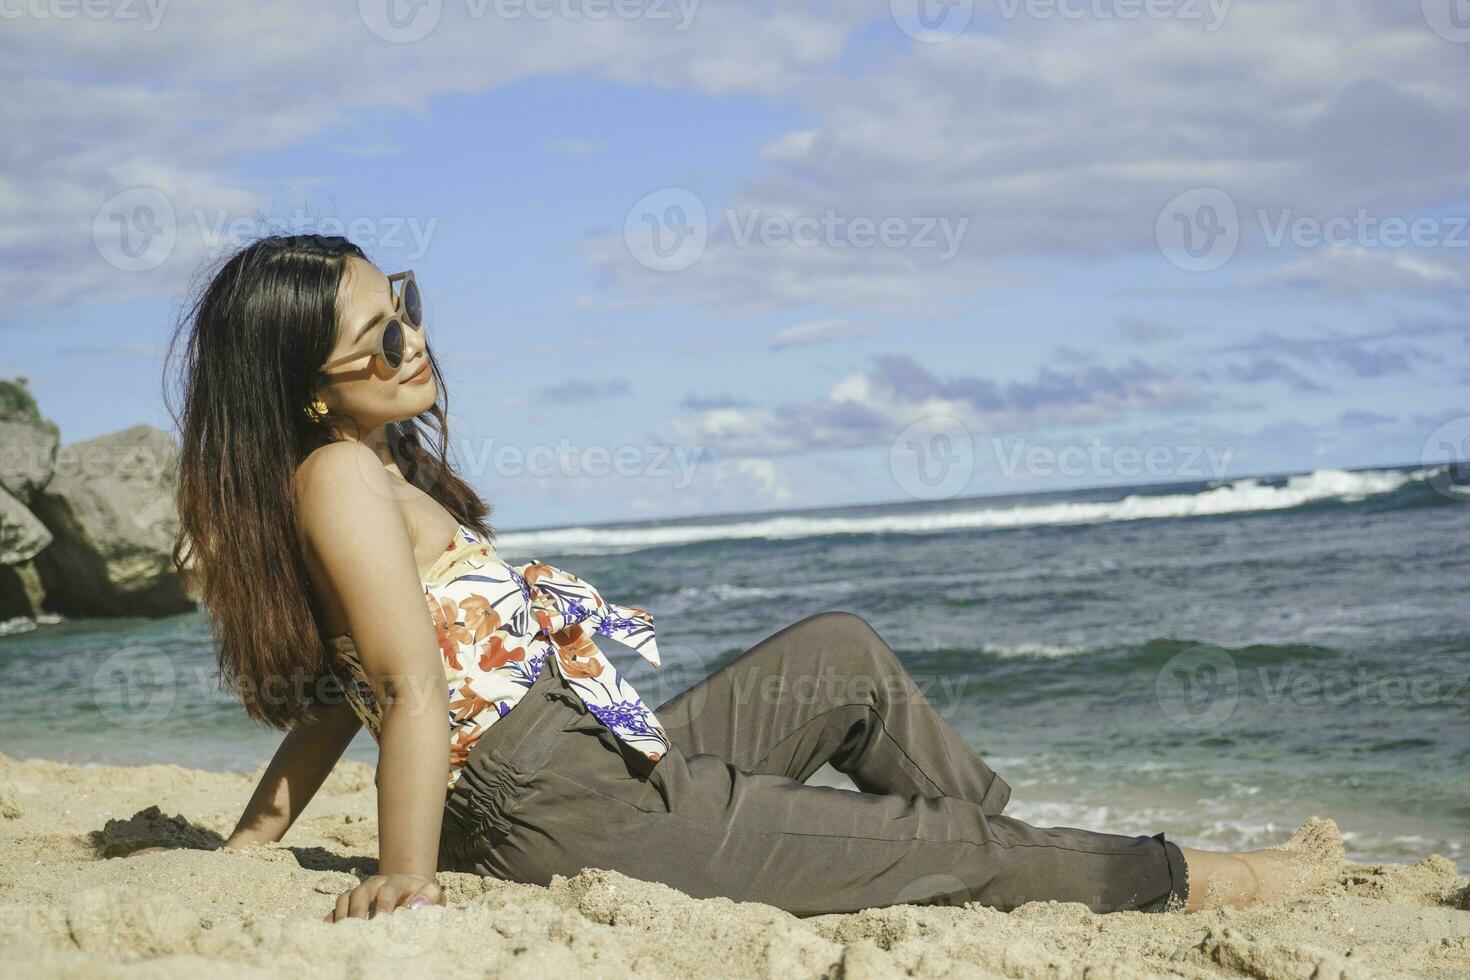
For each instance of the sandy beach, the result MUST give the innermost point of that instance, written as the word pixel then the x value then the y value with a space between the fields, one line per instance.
pixel 72 904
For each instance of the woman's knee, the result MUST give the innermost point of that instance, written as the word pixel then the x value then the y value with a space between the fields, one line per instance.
pixel 847 636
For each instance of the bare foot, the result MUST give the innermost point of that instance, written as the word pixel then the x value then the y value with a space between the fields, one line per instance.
pixel 1305 862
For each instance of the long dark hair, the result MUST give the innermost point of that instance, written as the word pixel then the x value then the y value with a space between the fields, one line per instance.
pixel 254 340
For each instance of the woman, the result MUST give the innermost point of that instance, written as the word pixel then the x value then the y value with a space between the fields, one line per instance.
pixel 352 578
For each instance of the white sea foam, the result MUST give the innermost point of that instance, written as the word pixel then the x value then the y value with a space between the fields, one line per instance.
pixel 24 624
pixel 1240 496
pixel 1034 651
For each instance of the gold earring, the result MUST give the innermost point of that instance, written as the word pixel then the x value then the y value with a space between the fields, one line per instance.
pixel 317 409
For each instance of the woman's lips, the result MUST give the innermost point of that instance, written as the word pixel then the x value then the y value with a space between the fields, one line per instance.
pixel 420 376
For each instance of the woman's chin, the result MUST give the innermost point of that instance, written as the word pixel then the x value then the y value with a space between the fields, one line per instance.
pixel 420 398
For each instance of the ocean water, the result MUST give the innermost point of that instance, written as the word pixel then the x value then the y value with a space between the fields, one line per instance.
pixel 1216 662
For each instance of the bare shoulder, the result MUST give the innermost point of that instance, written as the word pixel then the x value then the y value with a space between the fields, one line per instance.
pixel 331 467
pixel 343 492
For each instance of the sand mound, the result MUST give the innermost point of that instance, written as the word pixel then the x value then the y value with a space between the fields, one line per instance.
pixel 67 909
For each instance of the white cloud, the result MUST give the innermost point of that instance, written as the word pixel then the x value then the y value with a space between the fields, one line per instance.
pixel 869 408
pixel 820 332
pixel 97 106
pixel 1067 136
pixel 1354 270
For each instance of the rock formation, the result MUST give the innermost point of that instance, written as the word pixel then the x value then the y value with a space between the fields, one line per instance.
pixel 86 529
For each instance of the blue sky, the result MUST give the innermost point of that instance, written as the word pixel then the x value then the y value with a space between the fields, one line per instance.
pixel 575 192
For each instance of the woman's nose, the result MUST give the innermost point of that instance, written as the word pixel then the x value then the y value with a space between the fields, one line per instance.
pixel 413 342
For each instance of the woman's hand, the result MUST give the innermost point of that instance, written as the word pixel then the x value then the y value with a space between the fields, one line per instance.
pixel 381 894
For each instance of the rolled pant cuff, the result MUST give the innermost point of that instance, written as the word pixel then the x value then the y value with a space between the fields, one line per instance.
pixel 996 797
pixel 1178 878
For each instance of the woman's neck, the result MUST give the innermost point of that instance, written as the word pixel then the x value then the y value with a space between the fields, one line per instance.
pixel 376 440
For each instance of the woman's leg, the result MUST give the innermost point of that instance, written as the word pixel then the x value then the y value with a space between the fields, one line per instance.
pixel 829 689
pixel 564 795
pixel 555 792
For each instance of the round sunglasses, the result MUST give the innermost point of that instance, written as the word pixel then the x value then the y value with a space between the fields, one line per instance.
pixel 408 311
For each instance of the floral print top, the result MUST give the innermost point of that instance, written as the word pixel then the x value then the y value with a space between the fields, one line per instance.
pixel 499 625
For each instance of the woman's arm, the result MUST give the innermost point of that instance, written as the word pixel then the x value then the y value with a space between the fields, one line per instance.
pixel 349 514
pixel 300 765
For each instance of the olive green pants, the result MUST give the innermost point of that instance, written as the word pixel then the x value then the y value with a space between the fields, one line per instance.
pixel 550 791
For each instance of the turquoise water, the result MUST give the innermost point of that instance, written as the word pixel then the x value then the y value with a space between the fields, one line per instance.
pixel 1216 662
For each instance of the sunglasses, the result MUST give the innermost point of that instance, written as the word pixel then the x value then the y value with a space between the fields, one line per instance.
pixel 408 311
